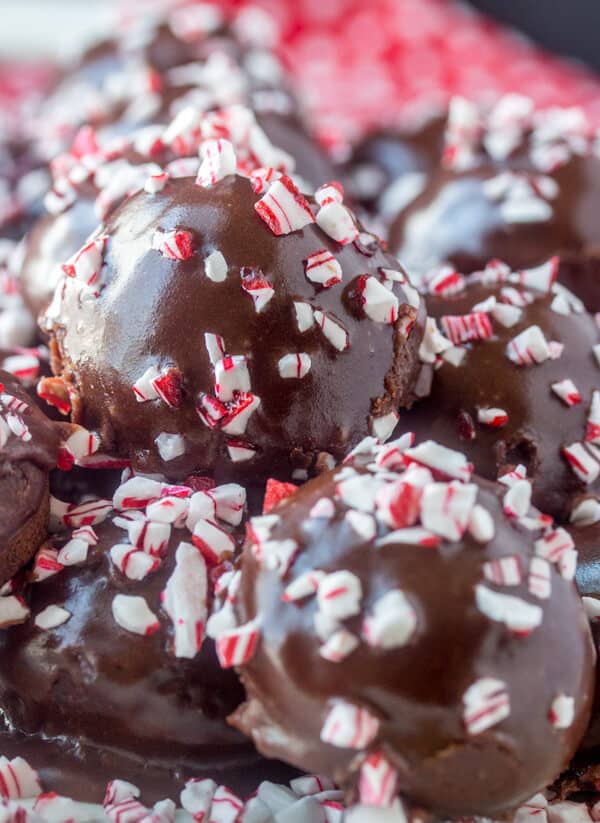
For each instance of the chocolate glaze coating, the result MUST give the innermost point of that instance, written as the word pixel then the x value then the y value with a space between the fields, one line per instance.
pixel 24 469
pixel 90 679
pixel 154 312
pixel 415 690
pixel 539 423
pixel 454 220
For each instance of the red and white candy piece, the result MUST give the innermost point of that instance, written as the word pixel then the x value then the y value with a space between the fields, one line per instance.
pixel 231 376
pixel 541 278
pixel 539 581
pixel 133 614
pixel 361 524
pixel 294 366
pixel 136 493
pixel 45 564
pixel 185 600
pixel 257 285
pixel 378 781
pixel 379 304
pixel 215 346
pixel 197 797
pixel 86 264
pixel 481 524
pixel 517 499
pixel 170 446
pixel 529 347
pixel 339 646
pixel 322 268
pixel 218 161
pixel 568 392
pixel 495 418
pixel 516 614
pixel 330 193
pixel 89 513
pixel 583 464
pixel 339 595
pixel 237 646
pixel 446 508
pixel 445 281
pixel 174 245
pixel 156 182
pixel 215 267
pixel 592 432
pixel 504 571
pixel 554 544
pixel 214 543
pixel 337 221
pixel 306 585
pixel 18 781
pixel 562 712
pixel 358 491
pixel 283 208
pixel 134 563
pixel 466 327
pixel 486 703
pixel 440 459
pixel 278 555
pixel 391 623
pixel 335 333
pixel 415 536
pixel 78 445
pixel 382 427
pixel 349 727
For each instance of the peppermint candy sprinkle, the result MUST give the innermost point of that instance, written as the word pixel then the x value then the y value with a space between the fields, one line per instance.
pixel 237 646
pixel 378 781
pixel 348 726
pixel 283 208
pixel 567 391
pixel 322 268
pixel 218 161
pixel 133 614
pixel 174 245
pixel 486 703
pixel 185 600
pixel 294 366
pixel 517 615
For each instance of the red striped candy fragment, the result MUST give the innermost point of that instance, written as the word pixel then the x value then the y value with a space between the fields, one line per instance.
pixel 541 278
pixel 126 811
pixel 337 221
pixel 339 646
pixel 257 285
pixel 226 806
pixel 583 464
pixel 45 564
pixel 136 493
pixel 237 646
pixel 379 304
pixel 516 614
pixel 378 781
pixel 218 161
pixel 231 376
pixel 134 615
pixel 197 796
pixel 322 268
pixel 86 264
pixel 553 545
pixel 390 455
pixel 391 622
pixel 170 509
pixel 294 366
pixel 18 427
pixel 78 445
pixel 174 245
pixel 156 182
pixel 283 208
pixel 496 418
pixel 486 703
pixel 215 267
pixel 481 524
pixel 214 543
pixel 24 366
pixel 330 193
pixel 445 282
pixel 562 712
pixel 592 432
pixel 215 346
pixel 440 459
pixel 505 571
pixel 262 178
pixel 567 564
pixel 446 508
pixel 90 513
pixel 145 535
pixel 18 781
pixel 529 347
pixel 335 333
pixel 339 595
pixel 119 790
pixel 239 412
pixel 135 564
pixel 466 327
pixel 230 502
pixel 13 610
pixel 347 726
pixel 306 585
pixel 567 391
pixel 398 503
pixel 415 536
pixel 539 581
pixel 185 600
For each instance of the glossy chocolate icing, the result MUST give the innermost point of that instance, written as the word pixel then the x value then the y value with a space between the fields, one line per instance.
pixel 539 423
pixel 154 311
pixel 415 690
pixel 24 468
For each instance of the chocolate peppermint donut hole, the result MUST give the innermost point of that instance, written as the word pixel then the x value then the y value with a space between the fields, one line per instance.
pixel 409 635
pixel 30 449
pixel 273 349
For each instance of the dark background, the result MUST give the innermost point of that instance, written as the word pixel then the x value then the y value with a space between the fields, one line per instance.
pixel 570 27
